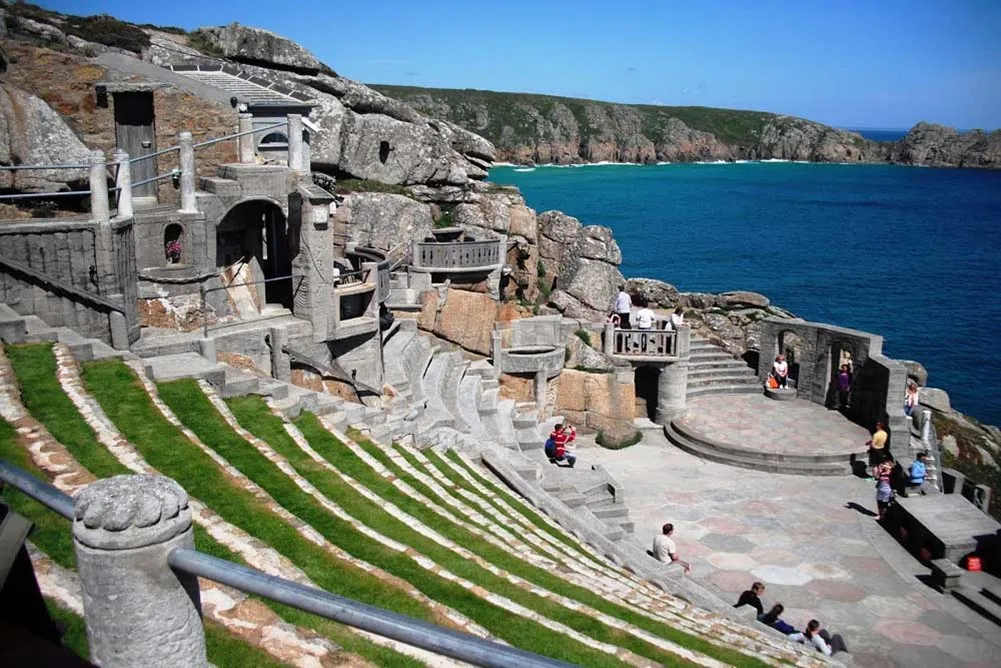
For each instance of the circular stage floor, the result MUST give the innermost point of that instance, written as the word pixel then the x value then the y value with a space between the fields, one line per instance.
pixel 755 432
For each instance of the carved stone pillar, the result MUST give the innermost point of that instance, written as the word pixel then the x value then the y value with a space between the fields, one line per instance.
pixel 138 611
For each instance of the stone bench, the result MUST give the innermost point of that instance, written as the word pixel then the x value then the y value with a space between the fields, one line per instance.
pixel 945 574
pixel 780 393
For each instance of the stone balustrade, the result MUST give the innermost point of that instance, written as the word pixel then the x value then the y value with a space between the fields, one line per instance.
pixel 457 256
pixel 644 343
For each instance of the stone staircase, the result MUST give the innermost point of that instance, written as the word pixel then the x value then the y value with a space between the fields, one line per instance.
pixel 986 602
pixel 712 371
pixel 16 328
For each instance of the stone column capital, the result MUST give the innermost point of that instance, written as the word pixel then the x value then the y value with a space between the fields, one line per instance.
pixel 130 511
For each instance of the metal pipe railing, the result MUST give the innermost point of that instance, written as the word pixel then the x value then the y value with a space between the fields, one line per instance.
pixel 20 167
pixel 61 193
pixel 265 128
pixel 415 632
pixel 44 493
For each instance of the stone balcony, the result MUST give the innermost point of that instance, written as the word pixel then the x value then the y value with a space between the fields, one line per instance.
pixel 458 257
pixel 656 346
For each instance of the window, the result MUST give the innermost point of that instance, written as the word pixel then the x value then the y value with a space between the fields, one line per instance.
pixel 274 139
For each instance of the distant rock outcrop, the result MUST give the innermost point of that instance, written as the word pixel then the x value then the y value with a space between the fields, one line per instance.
pixel 938 145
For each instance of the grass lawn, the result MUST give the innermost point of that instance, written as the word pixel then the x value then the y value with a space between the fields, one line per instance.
pixel 359 470
pixel 124 400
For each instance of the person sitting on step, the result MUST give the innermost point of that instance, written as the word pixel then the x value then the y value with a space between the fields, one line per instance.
pixel 665 550
pixel 752 597
pixel 559 443
pixel 820 638
pixel 917 474
pixel 773 619
pixel 780 369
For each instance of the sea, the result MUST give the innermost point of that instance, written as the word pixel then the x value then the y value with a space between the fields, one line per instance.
pixel 911 253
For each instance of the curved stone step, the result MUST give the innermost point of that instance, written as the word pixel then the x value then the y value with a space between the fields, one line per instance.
pixel 757 461
pixel 437 413
pixel 716 363
pixel 732 388
pixel 700 373
pixel 468 402
pixel 449 389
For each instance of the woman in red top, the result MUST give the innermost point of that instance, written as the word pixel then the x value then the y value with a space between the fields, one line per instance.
pixel 562 438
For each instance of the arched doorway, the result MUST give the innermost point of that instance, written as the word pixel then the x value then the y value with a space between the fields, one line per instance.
pixel 646 380
pixel 842 354
pixel 256 232
pixel 792 346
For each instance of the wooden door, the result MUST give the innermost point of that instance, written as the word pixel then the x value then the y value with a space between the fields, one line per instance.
pixel 135 134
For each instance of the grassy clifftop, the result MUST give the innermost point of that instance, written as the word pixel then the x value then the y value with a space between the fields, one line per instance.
pixel 513 109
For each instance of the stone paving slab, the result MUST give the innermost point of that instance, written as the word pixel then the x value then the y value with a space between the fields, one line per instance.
pixel 814 543
pixel 757 423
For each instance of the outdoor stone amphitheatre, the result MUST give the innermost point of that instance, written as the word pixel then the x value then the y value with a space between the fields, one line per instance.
pixel 324 347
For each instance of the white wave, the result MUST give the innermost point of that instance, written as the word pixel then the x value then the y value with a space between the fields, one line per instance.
pixel 774 160
pixel 711 162
pixel 524 169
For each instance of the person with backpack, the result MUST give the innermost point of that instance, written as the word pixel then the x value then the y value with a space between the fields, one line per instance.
pixel 558 444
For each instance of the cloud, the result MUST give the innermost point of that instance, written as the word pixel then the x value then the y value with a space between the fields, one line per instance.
pixel 631 69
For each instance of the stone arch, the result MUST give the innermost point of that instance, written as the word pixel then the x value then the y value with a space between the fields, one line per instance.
pixel 796 351
pixel 255 231
pixel 174 243
pixel 275 139
pixel 842 351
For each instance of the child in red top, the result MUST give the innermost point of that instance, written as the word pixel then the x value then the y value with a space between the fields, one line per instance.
pixel 562 438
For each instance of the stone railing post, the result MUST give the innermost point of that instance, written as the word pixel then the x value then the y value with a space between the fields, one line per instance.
pixel 138 611
pixel 672 391
pixel 926 428
pixel 246 142
pixel 295 162
pixel 683 341
pixel 124 184
pixel 609 341
pixel 100 209
pixel 188 201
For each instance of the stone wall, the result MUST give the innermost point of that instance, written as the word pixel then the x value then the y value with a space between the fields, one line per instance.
pixel 594 401
pixel 68 83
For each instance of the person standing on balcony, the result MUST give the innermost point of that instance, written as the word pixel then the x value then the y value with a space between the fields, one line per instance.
pixel 645 317
pixel 623 308
pixel 677 319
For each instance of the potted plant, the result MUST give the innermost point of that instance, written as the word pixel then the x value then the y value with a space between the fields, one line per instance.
pixel 173 250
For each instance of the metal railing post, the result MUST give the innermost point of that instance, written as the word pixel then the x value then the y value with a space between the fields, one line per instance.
pixel 99 206
pixel 246 141
pixel 295 161
pixel 188 201
pixel 124 184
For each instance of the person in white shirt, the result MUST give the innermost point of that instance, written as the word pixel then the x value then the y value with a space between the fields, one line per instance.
pixel 645 318
pixel 677 319
pixel 820 638
pixel 623 307
pixel 780 369
pixel 664 549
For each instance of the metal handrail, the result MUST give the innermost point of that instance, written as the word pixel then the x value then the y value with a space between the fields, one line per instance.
pixel 414 632
pixel 17 167
pixel 209 142
pixel 169 149
pixel 61 193
pixel 45 494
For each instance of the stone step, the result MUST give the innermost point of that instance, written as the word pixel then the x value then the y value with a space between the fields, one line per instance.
pixel 450 388
pixel 992 593
pixel 37 329
pixel 12 326
pixel 220 186
pixel 239 383
pixel 701 356
pixel 166 368
pixel 273 388
pixel 982 605
pixel 529 439
pixel 716 363
pixel 489 400
pixel 725 378
pixel 481 368
pixel 468 401
pixel 735 388
pixel 437 413
pixel 610 513
pixel 754 461
pixel 720 372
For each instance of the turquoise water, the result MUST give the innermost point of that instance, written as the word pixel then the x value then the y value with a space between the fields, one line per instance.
pixel 910 253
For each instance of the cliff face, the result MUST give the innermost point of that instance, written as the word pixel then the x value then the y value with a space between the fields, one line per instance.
pixel 554 130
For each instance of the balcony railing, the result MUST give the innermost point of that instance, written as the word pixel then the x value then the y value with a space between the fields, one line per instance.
pixel 645 343
pixel 457 256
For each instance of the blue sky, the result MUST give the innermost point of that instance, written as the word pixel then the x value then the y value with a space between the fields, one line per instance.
pixel 870 64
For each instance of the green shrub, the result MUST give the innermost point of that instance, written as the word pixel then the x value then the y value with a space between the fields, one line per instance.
pixel 536 310
pixel 107 30
pixel 541 270
pixel 584 336
pixel 202 41
pixel 444 220
pixel 348 186
pixel 591 369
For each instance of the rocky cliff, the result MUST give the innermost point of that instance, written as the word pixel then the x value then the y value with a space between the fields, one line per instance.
pixel 545 129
